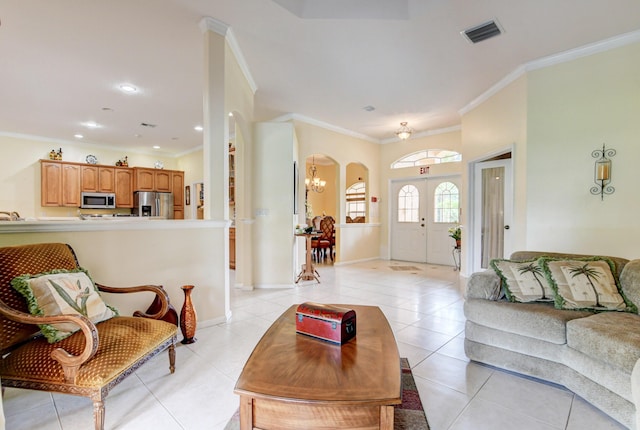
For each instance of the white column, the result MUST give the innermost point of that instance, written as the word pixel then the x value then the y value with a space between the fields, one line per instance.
pixel 215 122
pixel 215 146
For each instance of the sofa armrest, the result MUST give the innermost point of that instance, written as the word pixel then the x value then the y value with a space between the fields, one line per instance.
pixel 635 391
pixel 162 299
pixel 70 363
pixel 483 285
pixel 630 281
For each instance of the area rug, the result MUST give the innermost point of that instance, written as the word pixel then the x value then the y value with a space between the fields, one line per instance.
pixel 404 268
pixel 407 416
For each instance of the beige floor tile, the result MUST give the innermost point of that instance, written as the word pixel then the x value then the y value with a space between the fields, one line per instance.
pixel 424 308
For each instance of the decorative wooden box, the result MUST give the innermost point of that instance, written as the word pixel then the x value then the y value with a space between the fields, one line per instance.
pixel 326 322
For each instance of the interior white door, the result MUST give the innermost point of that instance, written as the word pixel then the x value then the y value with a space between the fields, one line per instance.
pixel 493 207
pixel 408 220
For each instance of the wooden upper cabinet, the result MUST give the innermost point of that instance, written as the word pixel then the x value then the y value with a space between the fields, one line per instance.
pixel 51 183
pixel 177 188
pixel 144 179
pixel 98 179
pixel 60 184
pixel 124 187
pixel 71 185
pixel 107 179
pixel 163 180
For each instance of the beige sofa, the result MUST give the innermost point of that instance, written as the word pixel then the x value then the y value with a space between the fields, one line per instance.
pixel 595 355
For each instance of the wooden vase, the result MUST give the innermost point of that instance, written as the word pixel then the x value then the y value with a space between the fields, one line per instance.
pixel 188 316
pixel 458 243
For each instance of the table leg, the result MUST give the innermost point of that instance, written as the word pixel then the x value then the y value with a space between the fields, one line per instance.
pixel 246 413
pixel 386 417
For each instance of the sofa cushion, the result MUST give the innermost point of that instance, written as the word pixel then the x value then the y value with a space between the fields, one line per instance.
pixel 523 281
pixel 537 320
pixel 611 337
pixel 630 281
pixel 61 292
pixel 586 283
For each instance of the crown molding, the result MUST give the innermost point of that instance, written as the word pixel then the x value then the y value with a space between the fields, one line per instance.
pixel 321 124
pixel 211 24
pixel 584 51
pixel 552 60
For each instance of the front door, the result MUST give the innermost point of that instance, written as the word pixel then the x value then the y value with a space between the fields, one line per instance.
pixel 408 221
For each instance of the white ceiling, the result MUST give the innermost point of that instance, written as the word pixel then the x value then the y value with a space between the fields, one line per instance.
pixel 61 61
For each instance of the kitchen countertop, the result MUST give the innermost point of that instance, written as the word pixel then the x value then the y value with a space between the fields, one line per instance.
pixel 49 224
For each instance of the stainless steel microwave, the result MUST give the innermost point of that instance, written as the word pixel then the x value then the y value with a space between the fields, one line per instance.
pixel 98 201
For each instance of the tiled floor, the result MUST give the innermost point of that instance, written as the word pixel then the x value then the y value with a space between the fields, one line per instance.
pixel 424 307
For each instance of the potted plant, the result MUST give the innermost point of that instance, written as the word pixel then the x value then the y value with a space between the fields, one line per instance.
pixel 456 234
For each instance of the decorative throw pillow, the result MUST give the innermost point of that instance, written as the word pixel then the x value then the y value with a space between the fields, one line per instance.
pixel 62 292
pixel 585 284
pixel 523 281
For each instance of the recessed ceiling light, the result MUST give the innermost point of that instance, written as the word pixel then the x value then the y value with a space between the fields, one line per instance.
pixel 198 128
pixel 91 124
pixel 230 113
pixel 156 147
pixel 128 88
pixel 78 136
pixel 107 109
pixel 369 108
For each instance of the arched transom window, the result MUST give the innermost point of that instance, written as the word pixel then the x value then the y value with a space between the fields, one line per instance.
pixel 427 157
pixel 408 204
pixel 446 203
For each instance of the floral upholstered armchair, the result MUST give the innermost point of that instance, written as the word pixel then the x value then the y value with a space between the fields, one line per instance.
pixel 58 335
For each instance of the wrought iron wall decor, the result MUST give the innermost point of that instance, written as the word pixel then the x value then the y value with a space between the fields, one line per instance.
pixel 602 172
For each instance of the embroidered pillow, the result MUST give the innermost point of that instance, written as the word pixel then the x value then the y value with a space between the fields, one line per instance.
pixel 62 292
pixel 523 281
pixel 586 284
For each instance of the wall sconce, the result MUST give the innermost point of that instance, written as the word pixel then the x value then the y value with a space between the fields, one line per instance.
pixel 602 172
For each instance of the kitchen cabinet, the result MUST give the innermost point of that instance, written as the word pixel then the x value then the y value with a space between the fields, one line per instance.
pixel 98 179
pixel 152 179
pixel 162 180
pixel 232 247
pixel 177 188
pixel 124 187
pixel 144 179
pixel 60 184
pixel 171 181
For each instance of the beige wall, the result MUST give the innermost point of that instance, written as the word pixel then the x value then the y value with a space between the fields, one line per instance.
pixel 354 243
pixel 171 255
pixel 20 174
pixel 573 108
pixel 496 126
pixel 324 203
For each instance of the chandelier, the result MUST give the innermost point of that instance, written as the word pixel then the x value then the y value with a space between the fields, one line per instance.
pixel 404 132
pixel 314 183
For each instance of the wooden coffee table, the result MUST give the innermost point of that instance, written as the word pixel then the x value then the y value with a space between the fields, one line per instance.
pixel 293 382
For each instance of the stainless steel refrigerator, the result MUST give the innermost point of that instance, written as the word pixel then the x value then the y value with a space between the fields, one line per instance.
pixel 153 204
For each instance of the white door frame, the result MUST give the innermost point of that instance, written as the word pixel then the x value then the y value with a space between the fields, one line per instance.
pixel 471 243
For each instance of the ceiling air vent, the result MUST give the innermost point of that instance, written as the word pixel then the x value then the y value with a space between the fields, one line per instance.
pixel 483 31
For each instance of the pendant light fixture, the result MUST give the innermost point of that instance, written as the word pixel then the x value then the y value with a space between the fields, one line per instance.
pixel 314 183
pixel 404 132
